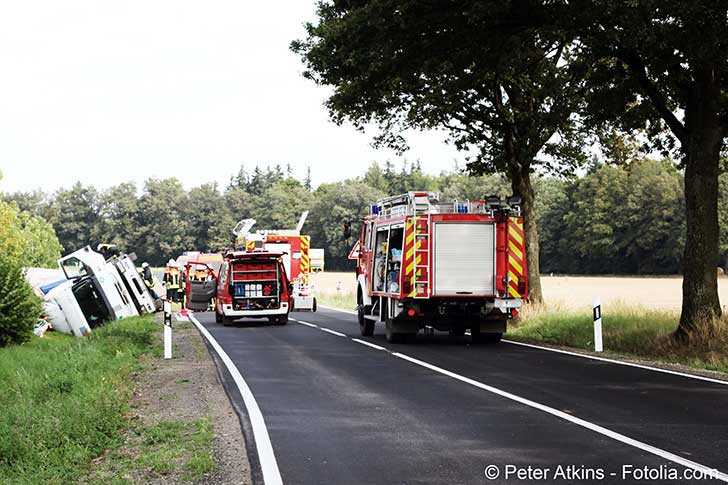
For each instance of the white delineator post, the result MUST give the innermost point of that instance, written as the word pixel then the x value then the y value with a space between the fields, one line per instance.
pixel 167 330
pixel 598 347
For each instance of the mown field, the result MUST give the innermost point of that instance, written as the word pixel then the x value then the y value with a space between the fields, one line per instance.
pixel 639 316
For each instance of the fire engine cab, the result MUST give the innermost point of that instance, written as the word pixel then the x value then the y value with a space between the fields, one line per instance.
pixel 449 266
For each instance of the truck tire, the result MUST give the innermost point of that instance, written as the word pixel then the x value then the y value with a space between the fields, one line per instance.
pixel 227 321
pixel 282 320
pixel 457 332
pixel 315 305
pixel 218 317
pixel 366 327
pixel 392 337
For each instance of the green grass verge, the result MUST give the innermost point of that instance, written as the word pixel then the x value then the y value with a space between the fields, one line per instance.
pixel 627 330
pixel 63 400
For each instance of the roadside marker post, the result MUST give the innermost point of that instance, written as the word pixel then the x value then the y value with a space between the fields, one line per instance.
pixel 598 346
pixel 167 330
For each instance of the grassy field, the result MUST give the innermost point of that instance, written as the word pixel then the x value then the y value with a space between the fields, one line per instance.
pixel 639 316
pixel 64 402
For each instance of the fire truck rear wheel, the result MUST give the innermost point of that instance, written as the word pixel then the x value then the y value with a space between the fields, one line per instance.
pixel 479 337
pixel 218 317
pixel 394 338
pixel 282 320
pixel 227 321
pixel 457 332
pixel 315 305
pixel 366 327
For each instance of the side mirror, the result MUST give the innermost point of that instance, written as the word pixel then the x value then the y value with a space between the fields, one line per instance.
pixel 347 230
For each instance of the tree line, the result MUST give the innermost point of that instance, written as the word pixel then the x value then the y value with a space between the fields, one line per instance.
pixel 627 218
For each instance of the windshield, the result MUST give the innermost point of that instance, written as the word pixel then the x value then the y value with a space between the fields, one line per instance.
pixel 73 268
pixel 91 303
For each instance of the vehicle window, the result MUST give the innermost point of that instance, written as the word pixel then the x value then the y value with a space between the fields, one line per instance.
pixel 91 303
pixel 73 268
pixel 368 236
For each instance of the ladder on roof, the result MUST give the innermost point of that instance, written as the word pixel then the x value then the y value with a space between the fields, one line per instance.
pixel 422 223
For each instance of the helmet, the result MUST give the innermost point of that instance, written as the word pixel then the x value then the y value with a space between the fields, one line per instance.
pixel 145 265
pixel 172 263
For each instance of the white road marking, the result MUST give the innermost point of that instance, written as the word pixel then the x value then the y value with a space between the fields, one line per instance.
pixel 332 332
pixel 313 325
pixel 586 356
pixel 268 463
pixel 711 472
pixel 368 344
pixel 613 361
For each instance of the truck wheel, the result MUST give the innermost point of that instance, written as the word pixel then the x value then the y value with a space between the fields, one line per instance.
pixel 218 317
pixel 282 320
pixel 366 327
pixel 457 332
pixel 227 321
pixel 479 337
pixel 394 338
pixel 493 337
pixel 315 305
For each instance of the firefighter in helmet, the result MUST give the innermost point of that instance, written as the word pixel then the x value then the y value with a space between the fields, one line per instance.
pixel 148 279
pixel 172 281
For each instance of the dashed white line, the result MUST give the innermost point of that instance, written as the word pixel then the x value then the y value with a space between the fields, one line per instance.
pixel 312 325
pixel 587 356
pixel 268 463
pixel 709 472
pixel 368 344
pixel 332 332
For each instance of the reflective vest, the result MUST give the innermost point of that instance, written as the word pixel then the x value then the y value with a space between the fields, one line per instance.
pixel 171 279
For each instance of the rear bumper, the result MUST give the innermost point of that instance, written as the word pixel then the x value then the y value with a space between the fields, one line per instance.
pixel 228 311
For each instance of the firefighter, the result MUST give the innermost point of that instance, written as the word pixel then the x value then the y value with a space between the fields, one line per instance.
pixel 172 281
pixel 148 279
pixel 108 251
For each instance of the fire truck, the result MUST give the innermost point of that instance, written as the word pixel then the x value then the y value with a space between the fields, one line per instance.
pixel 450 266
pixel 295 249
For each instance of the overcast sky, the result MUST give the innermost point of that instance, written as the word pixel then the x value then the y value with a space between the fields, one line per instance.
pixel 105 92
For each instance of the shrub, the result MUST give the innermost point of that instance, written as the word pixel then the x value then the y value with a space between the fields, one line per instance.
pixel 19 307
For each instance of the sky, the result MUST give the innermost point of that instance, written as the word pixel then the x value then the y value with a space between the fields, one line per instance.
pixel 105 92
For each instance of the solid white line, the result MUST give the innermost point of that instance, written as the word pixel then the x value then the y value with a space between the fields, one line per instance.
pixel 587 356
pixel 332 332
pixel 368 344
pixel 572 419
pixel 268 463
pixel 613 361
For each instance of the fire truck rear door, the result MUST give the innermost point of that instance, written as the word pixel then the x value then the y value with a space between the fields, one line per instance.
pixel 284 248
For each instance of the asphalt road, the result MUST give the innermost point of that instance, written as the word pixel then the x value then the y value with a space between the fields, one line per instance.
pixel 441 410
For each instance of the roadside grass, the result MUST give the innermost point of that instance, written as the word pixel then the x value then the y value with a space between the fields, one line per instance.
pixel 157 450
pixel 628 330
pixel 64 400
pixel 342 300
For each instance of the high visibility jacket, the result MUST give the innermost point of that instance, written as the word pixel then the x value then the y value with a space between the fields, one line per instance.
pixel 171 279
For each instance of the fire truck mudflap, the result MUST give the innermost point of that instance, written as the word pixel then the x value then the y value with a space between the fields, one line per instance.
pixel 449 266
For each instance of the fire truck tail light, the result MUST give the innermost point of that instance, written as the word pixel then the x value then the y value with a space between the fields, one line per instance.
pixel 411 312
pixel 514 313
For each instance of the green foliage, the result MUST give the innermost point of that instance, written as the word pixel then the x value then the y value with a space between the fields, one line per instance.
pixel 27 238
pixel 19 307
pixel 64 400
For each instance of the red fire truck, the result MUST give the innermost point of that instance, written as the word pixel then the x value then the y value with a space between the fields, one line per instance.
pixel 295 248
pixel 449 266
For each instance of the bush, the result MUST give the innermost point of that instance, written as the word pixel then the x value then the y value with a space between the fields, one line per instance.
pixel 19 307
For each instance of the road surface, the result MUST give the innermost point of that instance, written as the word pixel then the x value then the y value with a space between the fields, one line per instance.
pixel 345 411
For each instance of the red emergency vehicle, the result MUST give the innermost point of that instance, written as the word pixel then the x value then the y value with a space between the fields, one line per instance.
pixel 250 284
pixel 449 266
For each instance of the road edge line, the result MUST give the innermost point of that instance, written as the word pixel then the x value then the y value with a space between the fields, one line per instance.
pixel 266 456
pixel 710 472
pixel 587 356
pixel 620 362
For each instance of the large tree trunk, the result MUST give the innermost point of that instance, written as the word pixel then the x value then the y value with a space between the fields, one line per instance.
pixel 521 184
pixel 701 148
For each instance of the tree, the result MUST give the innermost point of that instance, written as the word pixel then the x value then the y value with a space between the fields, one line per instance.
pixel 74 214
pixel 19 307
pixel 663 65
pixel 499 91
pixel 27 239
pixel 119 216
pixel 163 227
pixel 205 204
